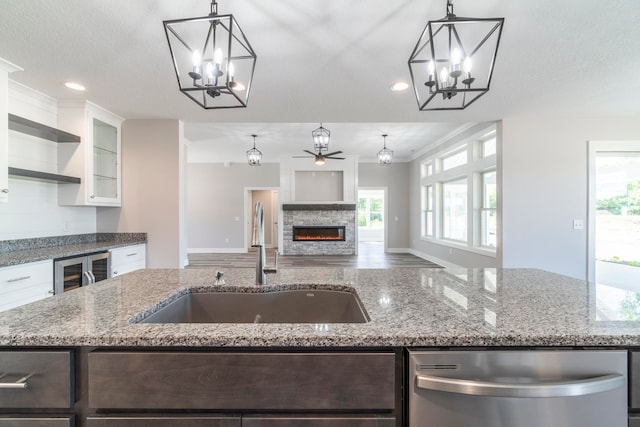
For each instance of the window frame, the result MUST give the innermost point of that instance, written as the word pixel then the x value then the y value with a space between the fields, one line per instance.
pixel 473 171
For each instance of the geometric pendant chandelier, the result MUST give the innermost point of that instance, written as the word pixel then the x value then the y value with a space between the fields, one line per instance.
pixel 452 63
pixel 212 58
pixel 385 156
pixel 254 155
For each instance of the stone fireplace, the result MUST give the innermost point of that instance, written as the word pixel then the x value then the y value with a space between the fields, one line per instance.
pixel 319 229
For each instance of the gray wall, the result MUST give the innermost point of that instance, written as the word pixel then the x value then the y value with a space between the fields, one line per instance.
pixel 152 190
pixel 396 178
pixel 215 197
pixel 545 187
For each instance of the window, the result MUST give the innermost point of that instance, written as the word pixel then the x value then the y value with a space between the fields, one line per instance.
pixel 488 224
pixel 370 212
pixel 454 210
pixel 455 159
pixel 427 210
pixel 458 191
pixel 489 147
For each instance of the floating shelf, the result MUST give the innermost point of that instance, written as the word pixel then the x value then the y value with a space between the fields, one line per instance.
pixel 44 176
pixel 28 127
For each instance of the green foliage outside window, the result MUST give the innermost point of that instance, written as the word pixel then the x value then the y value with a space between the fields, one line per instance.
pixel 629 202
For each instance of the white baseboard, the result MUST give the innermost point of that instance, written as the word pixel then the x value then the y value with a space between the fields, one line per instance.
pixel 216 251
pixel 445 264
pixel 398 250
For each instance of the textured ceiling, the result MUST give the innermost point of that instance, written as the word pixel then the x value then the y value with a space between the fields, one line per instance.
pixel 329 61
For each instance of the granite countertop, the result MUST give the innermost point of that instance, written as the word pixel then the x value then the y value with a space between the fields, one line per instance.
pixel 15 252
pixel 406 306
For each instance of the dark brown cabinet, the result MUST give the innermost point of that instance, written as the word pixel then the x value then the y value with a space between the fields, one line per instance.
pixel 167 421
pixel 263 389
pixel 318 421
pixel 37 421
pixel 36 379
pixel 242 381
pixel 33 383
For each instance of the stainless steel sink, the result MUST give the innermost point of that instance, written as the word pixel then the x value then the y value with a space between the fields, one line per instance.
pixel 288 306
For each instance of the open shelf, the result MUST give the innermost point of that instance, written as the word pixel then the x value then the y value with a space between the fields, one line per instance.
pixel 44 176
pixel 28 127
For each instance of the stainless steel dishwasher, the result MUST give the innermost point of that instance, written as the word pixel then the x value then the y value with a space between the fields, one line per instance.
pixel 524 388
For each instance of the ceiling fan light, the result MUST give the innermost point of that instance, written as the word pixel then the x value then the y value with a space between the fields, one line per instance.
pixel 319 161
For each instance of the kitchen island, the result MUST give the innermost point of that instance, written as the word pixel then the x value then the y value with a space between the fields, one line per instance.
pixel 406 306
pixel 108 370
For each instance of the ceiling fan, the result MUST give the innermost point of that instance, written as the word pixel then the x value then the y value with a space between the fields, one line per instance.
pixel 321 158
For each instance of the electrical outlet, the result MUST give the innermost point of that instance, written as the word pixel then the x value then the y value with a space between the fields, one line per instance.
pixel 578 224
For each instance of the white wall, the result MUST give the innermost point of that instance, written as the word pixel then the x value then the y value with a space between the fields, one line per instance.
pixel 32 209
pixel 544 188
pixel 152 187
pixel 215 198
pixel 395 177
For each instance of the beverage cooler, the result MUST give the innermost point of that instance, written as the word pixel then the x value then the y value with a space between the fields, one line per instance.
pixel 74 272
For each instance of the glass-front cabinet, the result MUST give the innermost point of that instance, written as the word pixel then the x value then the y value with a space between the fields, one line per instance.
pixel 106 166
pixel 97 159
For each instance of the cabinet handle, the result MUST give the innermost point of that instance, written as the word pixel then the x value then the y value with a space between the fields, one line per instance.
pixel 5 190
pixel 135 253
pixel 93 196
pixel 115 273
pixel 550 389
pixel 17 279
pixel 21 383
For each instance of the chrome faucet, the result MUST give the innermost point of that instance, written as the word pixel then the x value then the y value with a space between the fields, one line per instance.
pixel 257 241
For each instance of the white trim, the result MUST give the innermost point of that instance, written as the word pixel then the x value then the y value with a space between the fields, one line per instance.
pixel 448 137
pixel 9 67
pixel 443 263
pixel 398 250
pixel 461 246
pixel 216 251
pixel 594 147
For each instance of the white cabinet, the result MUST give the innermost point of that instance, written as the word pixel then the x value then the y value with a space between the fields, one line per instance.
pixel 97 159
pixel 25 283
pixel 5 69
pixel 128 259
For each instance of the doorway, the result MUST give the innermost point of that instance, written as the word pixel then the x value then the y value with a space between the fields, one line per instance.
pixel 270 202
pixel 614 210
pixel 372 230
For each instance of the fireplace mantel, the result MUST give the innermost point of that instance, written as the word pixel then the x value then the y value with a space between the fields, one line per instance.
pixel 319 207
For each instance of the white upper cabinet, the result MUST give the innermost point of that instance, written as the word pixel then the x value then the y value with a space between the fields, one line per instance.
pixel 96 159
pixel 5 69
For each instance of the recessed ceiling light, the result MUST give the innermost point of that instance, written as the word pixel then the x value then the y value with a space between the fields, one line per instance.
pixel 399 86
pixel 74 86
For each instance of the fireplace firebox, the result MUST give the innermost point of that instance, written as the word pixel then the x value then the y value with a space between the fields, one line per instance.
pixel 314 233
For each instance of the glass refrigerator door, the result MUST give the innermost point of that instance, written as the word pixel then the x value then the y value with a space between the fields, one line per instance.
pixel 98 265
pixel 69 275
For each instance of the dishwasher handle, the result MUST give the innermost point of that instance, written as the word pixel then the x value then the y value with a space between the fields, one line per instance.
pixel 580 387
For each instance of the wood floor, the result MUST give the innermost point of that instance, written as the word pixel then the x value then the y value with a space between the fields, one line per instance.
pixel 370 255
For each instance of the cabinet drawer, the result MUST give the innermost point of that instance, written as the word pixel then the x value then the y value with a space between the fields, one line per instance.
pixel 50 382
pixel 634 421
pixel 320 421
pixel 238 381
pixel 18 275
pixel 128 254
pixel 174 421
pixel 49 421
